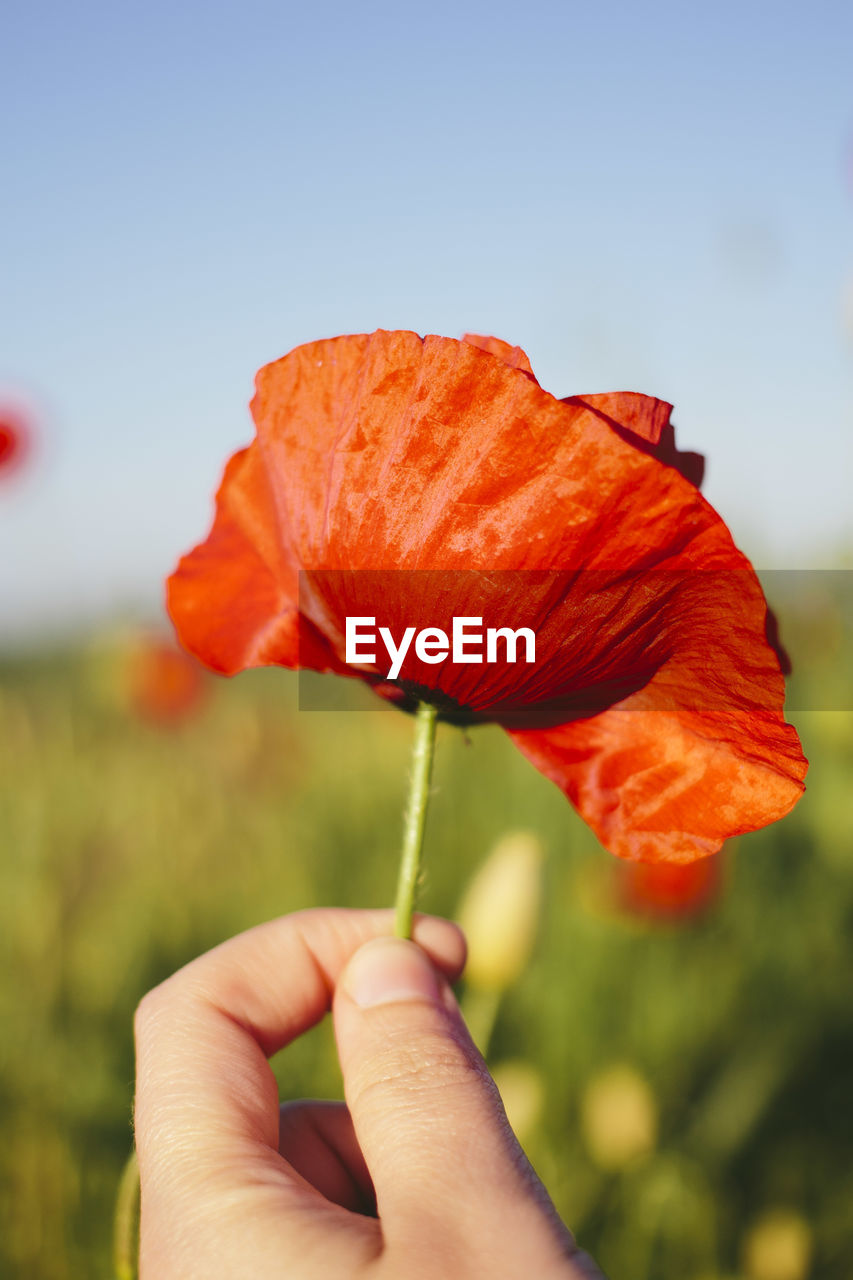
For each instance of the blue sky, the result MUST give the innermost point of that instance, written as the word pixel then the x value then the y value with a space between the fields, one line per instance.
pixel 655 197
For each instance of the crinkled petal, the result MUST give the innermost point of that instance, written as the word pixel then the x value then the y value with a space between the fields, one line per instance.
pixel 701 751
pixel 659 785
pixel 639 416
pixel 644 422
pixel 234 598
pixel 392 451
pixel 512 356
pixel 641 420
pixel 396 456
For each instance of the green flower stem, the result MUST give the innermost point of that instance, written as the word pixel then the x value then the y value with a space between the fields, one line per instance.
pixel 126 1222
pixel 413 833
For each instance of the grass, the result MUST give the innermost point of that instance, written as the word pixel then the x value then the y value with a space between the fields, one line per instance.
pixel 129 847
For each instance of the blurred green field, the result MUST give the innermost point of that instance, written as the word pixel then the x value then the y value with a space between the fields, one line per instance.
pixel 129 847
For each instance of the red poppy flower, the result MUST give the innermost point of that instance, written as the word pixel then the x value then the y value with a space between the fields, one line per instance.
pixel 668 889
pixel 416 480
pixel 165 685
pixel 14 440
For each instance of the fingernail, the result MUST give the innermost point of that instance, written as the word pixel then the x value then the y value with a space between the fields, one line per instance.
pixel 388 970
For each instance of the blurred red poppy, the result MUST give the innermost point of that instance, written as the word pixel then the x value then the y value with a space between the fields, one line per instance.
pixel 416 480
pixel 668 889
pixel 14 440
pixel 165 685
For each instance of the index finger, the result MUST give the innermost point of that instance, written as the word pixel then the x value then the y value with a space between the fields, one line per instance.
pixel 206 1099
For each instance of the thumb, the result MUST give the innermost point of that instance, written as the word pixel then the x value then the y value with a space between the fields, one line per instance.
pixel 427 1115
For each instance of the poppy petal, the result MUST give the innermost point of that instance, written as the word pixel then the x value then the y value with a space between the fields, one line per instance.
pixel 639 419
pixel 630 412
pixel 512 356
pixel 234 598
pixel 392 452
pixel 389 470
pixel 644 422
pixel 656 785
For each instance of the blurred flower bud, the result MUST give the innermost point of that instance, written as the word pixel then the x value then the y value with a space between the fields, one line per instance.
pixel 14 439
pixel 618 1117
pixel 165 685
pixel 667 889
pixel 522 1090
pixel 778 1247
pixel 500 911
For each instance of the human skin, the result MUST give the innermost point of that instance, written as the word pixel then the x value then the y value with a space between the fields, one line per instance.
pixel 418 1176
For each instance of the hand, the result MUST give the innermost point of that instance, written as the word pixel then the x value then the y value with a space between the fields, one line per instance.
pixel 417 1177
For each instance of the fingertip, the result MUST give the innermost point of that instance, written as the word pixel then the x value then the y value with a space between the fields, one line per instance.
pixel 443 941
pixel 390 970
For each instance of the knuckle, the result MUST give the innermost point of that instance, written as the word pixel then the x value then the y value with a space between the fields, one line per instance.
pixel 144 1014
pixel 417 1068
pixel 149 1011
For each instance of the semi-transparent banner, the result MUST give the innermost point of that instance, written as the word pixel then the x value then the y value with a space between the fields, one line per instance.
pixel 533 646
